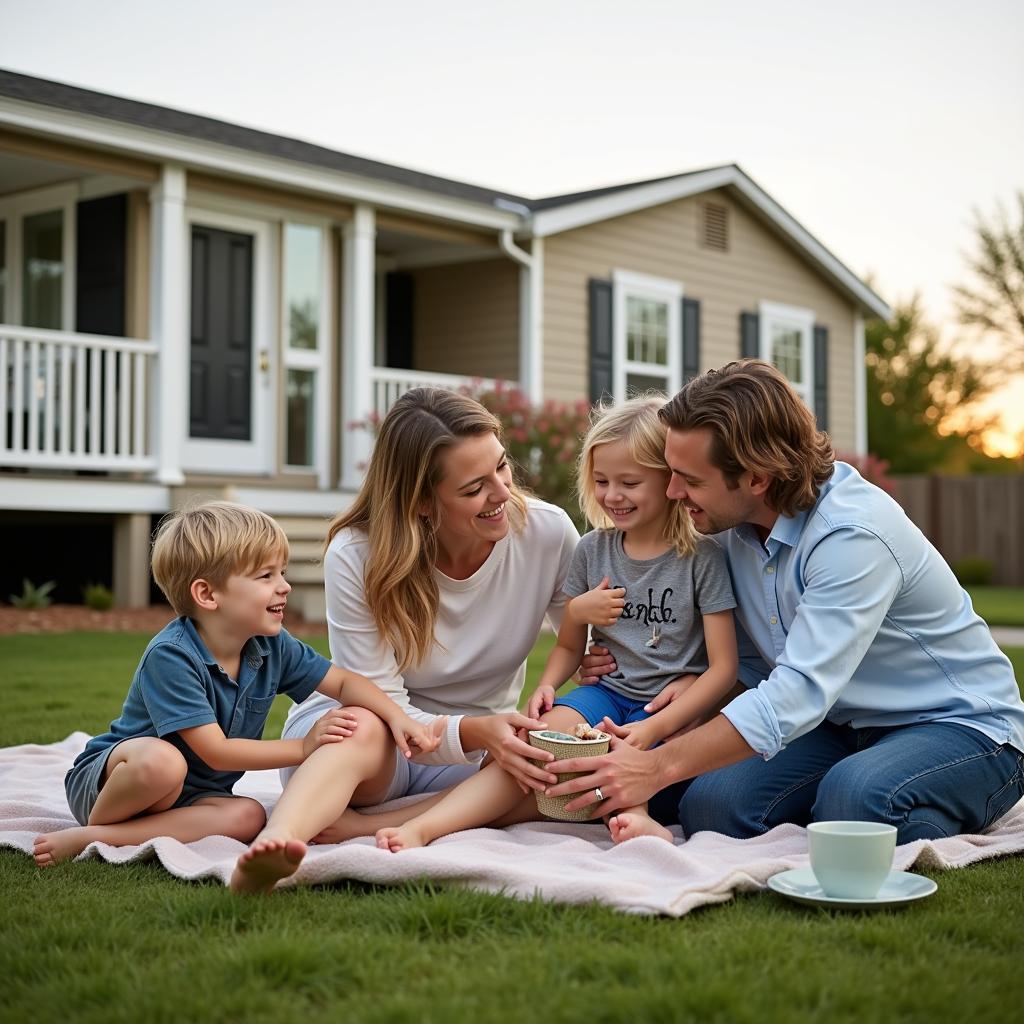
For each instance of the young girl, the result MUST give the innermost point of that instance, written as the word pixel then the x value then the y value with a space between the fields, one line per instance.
pixel 653 592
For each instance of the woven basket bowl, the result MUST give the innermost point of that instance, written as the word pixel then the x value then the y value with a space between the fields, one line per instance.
pixel 554 806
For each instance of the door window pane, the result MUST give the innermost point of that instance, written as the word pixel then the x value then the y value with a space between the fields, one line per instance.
pixel 43 270
pixel 646 331
pixel 302 284
pixel 299 399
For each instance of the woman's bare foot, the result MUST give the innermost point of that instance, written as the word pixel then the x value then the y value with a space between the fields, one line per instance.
pixel 265 863
pixel 351 825
pixel 631 824
pixel 402 837
pixel 53 847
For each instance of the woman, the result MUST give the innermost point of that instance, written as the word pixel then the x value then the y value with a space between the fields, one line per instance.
pixel 438 578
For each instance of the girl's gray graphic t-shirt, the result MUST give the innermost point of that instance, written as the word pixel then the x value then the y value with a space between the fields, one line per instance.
pixel 659 634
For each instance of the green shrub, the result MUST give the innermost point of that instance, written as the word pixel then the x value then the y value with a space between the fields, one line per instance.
pixel 973 571
pixel 98 597
pixel 32 596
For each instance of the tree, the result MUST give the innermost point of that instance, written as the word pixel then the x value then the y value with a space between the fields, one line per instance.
pixel 916 390
pixel 995 299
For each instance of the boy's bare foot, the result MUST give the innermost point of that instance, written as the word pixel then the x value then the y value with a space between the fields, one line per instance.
pixel 53 847
pixel 402 837
pixel 633 824
pixel 350 825
pixel 265 863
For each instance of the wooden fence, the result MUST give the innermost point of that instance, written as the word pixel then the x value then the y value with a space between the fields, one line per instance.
pixel 977 516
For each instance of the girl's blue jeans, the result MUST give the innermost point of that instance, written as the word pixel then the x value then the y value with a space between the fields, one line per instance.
pixel 930 780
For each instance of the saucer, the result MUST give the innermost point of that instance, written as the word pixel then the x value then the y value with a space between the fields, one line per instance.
pixel 800 885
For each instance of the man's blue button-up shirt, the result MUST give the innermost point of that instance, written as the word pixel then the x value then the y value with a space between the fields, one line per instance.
pixel 853 616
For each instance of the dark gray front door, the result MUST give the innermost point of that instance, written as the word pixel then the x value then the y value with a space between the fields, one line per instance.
pixel 220 393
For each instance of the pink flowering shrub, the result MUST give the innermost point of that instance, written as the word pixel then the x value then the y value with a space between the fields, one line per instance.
pixel 542 441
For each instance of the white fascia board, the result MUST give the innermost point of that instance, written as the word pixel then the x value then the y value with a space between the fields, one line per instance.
pixel 211 156
pixel 617 204
pixel 25 494
pixel 279 502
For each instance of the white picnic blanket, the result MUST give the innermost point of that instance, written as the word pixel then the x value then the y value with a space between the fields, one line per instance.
pixel 559 862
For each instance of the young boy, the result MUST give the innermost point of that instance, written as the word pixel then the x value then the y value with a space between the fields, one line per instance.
pixel 192 721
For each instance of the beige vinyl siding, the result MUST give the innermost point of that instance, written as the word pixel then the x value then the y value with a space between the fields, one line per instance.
pixel 466 319
pixel 663 241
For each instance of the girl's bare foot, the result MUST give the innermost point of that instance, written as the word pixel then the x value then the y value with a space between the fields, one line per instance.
pixel 350 825
pixel 402 837
pixel 54 847
pixel 632 824
pixel 265 863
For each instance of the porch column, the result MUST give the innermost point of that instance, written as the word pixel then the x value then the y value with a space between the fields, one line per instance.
pixel 357 310
pixel 131 560
pixel 531 308
pixel 167 325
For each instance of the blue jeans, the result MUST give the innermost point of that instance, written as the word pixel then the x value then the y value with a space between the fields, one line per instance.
pixel 931 780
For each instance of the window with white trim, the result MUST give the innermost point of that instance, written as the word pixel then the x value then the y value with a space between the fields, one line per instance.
pixel 647 334
pixel 787 342
pixel 304 327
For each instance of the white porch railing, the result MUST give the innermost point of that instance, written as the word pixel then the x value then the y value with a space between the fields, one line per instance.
pixel 74 401
pixel 389 385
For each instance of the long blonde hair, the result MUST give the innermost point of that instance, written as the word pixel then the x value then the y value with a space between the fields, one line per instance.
pixel 403 474
pixel 637 423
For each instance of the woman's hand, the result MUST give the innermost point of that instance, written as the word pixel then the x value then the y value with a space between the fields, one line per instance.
pixel 333 727
pixel 541 701
pixel 596 662
pixel 503 737
pixel 413 737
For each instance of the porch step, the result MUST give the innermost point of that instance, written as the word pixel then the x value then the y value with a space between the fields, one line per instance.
pixel 306 536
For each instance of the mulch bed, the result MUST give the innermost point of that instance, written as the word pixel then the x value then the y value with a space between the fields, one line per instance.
pixel 72 618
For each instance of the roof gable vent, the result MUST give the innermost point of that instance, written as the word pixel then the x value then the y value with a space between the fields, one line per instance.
pixel 714 227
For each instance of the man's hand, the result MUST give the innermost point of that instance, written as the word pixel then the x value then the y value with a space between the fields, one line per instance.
pixel 333 727
pixel 541 701
pixel 626 777
pixel 601 606
pixel 596 662
pixel 410 734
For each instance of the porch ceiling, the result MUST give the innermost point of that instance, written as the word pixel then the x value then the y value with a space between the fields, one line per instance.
pixel 18 173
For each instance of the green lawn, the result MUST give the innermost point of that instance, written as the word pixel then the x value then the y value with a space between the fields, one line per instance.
pixel 999 606
pixel 95 942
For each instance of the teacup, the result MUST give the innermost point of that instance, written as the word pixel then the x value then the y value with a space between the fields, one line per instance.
pixel 851 859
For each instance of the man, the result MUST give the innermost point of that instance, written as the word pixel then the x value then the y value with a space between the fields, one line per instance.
pixel 874 690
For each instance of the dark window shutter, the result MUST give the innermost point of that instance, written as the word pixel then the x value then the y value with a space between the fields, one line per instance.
pixel 750 336
pixel 821 376
pixel 691 339
pixel 600 296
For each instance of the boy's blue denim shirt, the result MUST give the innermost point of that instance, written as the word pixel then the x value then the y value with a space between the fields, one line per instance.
pixel 179 685
pixel 850 614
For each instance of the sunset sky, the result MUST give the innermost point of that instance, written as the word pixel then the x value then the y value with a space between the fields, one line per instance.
pixel 879 126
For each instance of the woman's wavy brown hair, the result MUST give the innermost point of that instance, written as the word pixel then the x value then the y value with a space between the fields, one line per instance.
pixel 403 474
pixel 758 424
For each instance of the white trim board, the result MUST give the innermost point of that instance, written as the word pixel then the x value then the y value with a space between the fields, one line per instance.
pixel 279 502
pixel 26 494
pixel 639 197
